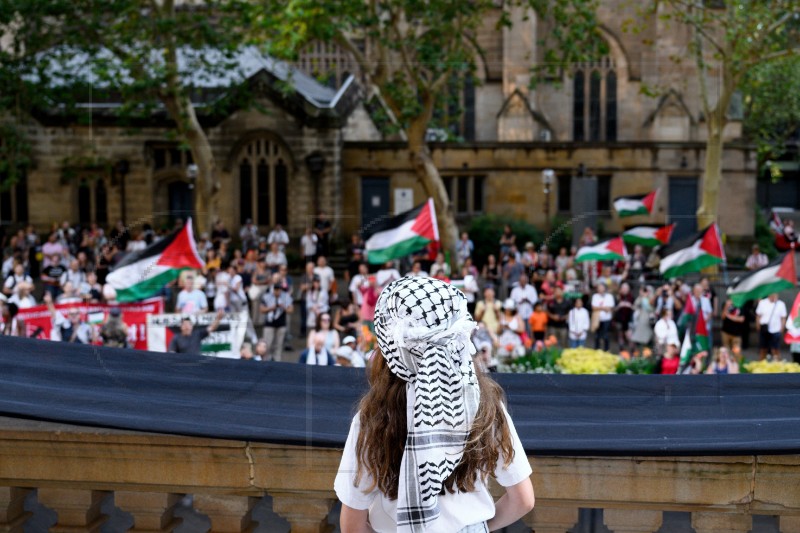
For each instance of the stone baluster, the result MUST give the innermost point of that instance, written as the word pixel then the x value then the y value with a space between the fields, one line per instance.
pixel 632 520
pixel 228 514
pixel 153 512
pixel 789 524
pixel 78 510
pixel 12 509
pixel 307 512
pixel 721 522
pixel 551 518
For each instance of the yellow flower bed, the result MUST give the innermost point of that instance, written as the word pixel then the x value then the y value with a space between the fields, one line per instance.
pixel 587 361
pixel 771 367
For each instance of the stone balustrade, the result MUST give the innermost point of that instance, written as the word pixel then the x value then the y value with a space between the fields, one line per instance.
pixel 74 468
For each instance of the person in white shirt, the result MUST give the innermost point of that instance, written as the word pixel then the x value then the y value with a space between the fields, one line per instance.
pixel 73 275
pixel 416 271
pixel 356 282
pixel 578 324
pixel 387 496
pixel 387 274
pixel 11 285
pixel 308 245
pixel 756 259
pixel 278 235
pixel 326 275
pixel 771 319
pixel 665 331
pixel 603 305
pixel 275 257
pixel 524 295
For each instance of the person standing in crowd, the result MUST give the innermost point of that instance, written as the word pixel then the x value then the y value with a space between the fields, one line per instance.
pixel 469 288
pixel 557 311
pixel 71 328
pixel 440 267
pixel 474 439
pixel 308 245
pixel 512 329
pixel 51 276
pixel 249 235
pixel 369 297
pixel 670 361
pixel 275 258
pixel 323 229
pixel 464 249
pixel 276 305
pixel 347 319
pixel 525 296
pixel 733 323
pixel 323 342
pixel 723 363
pixel 304 286
pixel 756 259
pixel 326 275
pixel 771 319
pixel 623 315
pixel 488 312
pixel 189 339
pixel 387 274
pixel 603 305
pixel 17 276
pixel 114 332
pixel 665 332
pixel 642 318
pixel 316 302
pixel 190 300
pixel 360 279
pixel 416 271
pixel 11 324
pixel 512 271
pixel 578 324
pixel 538 322
pixel 355 255
pixel 507 240
pixel 278 236
pixel 491 272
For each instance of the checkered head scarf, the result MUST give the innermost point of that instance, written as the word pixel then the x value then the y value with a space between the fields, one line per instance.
pixel 423 330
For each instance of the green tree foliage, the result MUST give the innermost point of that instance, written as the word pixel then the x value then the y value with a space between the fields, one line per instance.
pixel 772 107
pixel 410 51
pixel 729 39
pixel 146 54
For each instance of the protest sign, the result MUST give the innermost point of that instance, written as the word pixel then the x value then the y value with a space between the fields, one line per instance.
pixel 224 342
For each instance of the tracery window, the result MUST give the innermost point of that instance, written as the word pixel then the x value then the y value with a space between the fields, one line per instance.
pixel 263 183
pixel 594 103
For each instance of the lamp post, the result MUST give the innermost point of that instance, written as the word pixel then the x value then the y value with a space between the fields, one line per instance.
pixel 191 175
pixel 548 177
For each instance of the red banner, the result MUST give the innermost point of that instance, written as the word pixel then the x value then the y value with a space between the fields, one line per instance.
pixel 38 322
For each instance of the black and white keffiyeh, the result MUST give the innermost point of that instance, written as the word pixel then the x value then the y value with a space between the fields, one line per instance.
pixel 423 330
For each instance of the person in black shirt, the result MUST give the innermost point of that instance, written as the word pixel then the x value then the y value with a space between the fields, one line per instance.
pixel 322 227
pixel 189 339
pixel 51 276
pixel 557 313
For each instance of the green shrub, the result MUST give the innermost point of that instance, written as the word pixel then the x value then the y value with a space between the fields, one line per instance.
pixel 765 237
pixel 485 232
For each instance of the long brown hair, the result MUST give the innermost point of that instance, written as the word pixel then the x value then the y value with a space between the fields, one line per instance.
pixel 381 441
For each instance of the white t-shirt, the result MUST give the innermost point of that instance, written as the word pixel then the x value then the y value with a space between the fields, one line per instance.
pixel 357 281
pixel 603 300
pixel 578 323
pixel 766 314
pixel 457 510
pixel 525 297
pixel 309 244
pixel 326 277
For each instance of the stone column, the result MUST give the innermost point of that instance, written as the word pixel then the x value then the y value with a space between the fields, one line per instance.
pixel 788 524
pixel 228 514
pixel 307 512
pixel 153 512
pixel 721 522
pixel 632 520
pixel 551 519
pixel 12 509
pixel 78 510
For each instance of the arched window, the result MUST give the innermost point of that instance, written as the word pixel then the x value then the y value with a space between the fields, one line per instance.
pixel 594 104
pixel 92 200
pixel 263 183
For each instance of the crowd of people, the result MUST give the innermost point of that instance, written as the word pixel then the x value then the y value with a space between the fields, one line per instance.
pixel 520 296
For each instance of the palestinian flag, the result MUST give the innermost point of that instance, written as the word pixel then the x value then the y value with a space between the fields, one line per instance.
pixel 701 339
pixel 693 254
pixel 686 350
pixel 641 204
pixel 687 315
pixel 402 234
pixel 143 274
pixel 793 323
pixel 612 250
pixel 780 274
pixel 648 235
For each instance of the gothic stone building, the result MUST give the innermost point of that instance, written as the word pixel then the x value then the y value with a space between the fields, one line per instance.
pixel 318 147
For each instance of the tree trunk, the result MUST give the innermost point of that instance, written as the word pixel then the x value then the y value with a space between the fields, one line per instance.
pixel 182 112
pixel 709 208
pixel 428 175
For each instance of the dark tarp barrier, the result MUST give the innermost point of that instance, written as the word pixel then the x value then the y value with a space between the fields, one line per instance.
pixel 287 403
